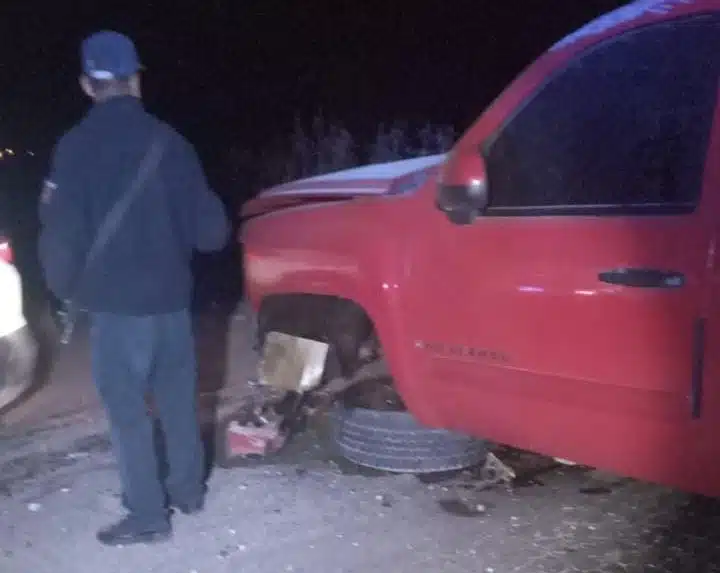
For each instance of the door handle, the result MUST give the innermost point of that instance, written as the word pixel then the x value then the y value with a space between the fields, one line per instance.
pixel 643 278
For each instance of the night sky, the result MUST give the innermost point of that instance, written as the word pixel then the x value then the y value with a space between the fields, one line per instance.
pixel 234 72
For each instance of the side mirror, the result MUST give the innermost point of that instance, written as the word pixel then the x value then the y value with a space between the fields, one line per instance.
pixel 462 204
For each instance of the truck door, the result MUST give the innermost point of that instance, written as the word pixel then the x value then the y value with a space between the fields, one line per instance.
pixel 571 317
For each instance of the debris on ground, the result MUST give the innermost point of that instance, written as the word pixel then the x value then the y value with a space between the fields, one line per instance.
pixel 462 507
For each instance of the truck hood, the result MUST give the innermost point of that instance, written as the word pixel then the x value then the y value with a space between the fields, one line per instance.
pixel 391 178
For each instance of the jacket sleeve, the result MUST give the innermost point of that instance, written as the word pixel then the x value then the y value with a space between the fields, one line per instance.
pixel 208 222
pixel 62 211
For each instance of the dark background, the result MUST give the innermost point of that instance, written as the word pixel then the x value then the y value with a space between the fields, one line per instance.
pixel 233 75
pixel 233 72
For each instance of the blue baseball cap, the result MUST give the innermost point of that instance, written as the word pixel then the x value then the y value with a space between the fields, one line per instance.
pixel 107 55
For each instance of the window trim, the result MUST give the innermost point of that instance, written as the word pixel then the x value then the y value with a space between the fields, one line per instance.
pixel 642 209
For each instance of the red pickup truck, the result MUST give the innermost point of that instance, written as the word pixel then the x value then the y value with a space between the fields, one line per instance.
pixel 553 283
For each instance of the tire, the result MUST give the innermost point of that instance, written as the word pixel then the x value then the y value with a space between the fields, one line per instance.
pixel 394 441
pixel 18 352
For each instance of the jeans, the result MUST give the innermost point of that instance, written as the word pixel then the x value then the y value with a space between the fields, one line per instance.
pixel 137 356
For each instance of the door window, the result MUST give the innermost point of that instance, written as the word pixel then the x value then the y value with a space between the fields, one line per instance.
pixel 625 126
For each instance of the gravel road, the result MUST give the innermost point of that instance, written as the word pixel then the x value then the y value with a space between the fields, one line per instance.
pixel 307 511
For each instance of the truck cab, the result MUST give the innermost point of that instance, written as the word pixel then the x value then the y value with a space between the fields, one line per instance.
pixel 552 284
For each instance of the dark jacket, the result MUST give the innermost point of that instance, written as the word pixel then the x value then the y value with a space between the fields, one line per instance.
pixel 145 267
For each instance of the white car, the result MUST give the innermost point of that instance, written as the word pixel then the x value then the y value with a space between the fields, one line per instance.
pixel 18 349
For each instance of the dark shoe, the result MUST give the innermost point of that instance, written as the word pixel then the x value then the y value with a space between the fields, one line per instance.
pixel 130 532
pixel 190 508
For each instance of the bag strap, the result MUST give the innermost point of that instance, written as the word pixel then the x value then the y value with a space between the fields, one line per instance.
pixel 111 222
pixel 114 217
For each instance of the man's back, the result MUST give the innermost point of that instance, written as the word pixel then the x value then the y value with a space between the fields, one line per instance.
pixel 138 285
pixel 145 266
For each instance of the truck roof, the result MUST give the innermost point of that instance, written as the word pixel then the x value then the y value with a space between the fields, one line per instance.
pixel 632 15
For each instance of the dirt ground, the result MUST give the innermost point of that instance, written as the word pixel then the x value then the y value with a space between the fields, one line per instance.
pixel 306 510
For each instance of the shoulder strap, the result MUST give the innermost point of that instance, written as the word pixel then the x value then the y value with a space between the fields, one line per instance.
pixel 114 217
pixel 112 221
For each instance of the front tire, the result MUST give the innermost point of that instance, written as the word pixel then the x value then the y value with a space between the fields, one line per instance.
pixel 394 441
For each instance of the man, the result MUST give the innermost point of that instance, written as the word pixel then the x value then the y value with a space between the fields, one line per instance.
pixel 137 290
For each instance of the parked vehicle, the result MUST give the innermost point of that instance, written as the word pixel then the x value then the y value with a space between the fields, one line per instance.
pixel 17 346
pixel 553 283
